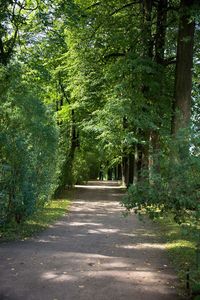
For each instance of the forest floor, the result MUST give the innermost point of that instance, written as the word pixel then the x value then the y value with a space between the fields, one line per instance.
pixel 93 252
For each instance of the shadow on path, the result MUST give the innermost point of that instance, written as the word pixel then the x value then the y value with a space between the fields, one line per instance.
pixel 91 253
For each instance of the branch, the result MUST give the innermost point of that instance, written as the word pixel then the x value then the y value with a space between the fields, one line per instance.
pixel 23 6
pixel 114 12
pixel 93 5
pixel 124 6
pixel 16 24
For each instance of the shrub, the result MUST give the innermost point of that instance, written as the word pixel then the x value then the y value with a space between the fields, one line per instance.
pixel 173 184
pixel 28 140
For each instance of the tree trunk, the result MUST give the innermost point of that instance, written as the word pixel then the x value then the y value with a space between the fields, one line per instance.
pixel 147 6
pixel 110 173
pixel 183 79
pixel 66 178
pixel 139 162
pixel 142 162
pixel 147 53
pixel 125 171
pixel 131 168
pixel 115 173
pixel 119 172
pixel 161 31
pixel 159 59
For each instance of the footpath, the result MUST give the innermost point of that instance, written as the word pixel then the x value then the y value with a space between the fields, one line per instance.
pixel 92 253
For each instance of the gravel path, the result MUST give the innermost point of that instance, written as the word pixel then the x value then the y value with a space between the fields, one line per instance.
pixel 93 253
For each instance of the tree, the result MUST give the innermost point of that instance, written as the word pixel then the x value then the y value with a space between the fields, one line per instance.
pixel 184 63
pixel 172 186
pixel 14 15
pixel 28 143
pixel 107 73
pixel 28 137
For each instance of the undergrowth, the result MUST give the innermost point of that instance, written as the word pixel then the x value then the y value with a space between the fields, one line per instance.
pixel 181 243
pixel 39 221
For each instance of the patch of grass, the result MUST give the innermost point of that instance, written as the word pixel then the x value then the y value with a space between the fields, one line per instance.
pixel 181 242
pixel 39 221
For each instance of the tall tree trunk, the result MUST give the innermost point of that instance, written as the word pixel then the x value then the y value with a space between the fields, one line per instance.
pixel 119 172
pixel 143 149
pixel 125 170
pixel 139 162
pixel 142 162
pixel 66 173
pixel 110 173
pixel 183 79
pixel 125 165
pixel 161 31
pixel 131 168
pixel 159 59
pixel 147 6
pixel 115 173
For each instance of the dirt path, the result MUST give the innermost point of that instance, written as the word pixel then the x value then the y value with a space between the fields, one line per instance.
pixel 94 253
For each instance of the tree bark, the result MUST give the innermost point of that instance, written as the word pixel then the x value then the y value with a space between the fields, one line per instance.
pixel 125 171
pixel 131 168
pixel 119 172
pixel 147 55
pixel 183 76
pixel 147 6
pixel 159 59
pixel 161 31
pixel 142 162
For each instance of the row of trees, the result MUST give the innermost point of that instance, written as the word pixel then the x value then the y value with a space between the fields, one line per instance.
pixel 90 83
pixel 39 124
pixel 130 70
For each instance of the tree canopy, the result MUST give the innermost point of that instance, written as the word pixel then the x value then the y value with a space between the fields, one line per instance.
pixel 90 85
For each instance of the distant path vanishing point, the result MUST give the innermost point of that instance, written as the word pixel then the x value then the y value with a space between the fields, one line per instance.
pixel 92 253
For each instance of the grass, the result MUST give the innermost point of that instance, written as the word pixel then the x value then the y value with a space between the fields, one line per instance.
pixel 181 242
pixel 39 221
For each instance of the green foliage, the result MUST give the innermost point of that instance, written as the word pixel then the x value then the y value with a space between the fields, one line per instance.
pixel 87 62
pixel 80 171
pixel 173 185
pixel 86 166
pixel 40 220
pixel 180 242
pixel 28 142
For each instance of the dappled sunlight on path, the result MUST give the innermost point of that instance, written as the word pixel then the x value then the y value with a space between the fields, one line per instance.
pixel 100 185
pixel 94 252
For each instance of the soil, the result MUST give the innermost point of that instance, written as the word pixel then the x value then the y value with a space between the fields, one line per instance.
pixel 91 253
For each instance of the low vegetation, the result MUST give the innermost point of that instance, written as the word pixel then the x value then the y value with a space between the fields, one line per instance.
pixel 39 221
pixel 182 243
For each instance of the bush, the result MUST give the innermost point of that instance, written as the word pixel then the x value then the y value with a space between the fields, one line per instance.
pixel 173 184
pixel 28 140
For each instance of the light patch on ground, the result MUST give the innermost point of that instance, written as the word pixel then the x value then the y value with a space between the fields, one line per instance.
pixel 142 246
pixel 95 187
pixel 84 224
pixel 58 277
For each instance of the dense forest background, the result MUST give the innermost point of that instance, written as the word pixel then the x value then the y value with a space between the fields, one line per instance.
pixel 100 85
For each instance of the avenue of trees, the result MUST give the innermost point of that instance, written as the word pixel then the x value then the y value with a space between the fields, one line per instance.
pixel 100 84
